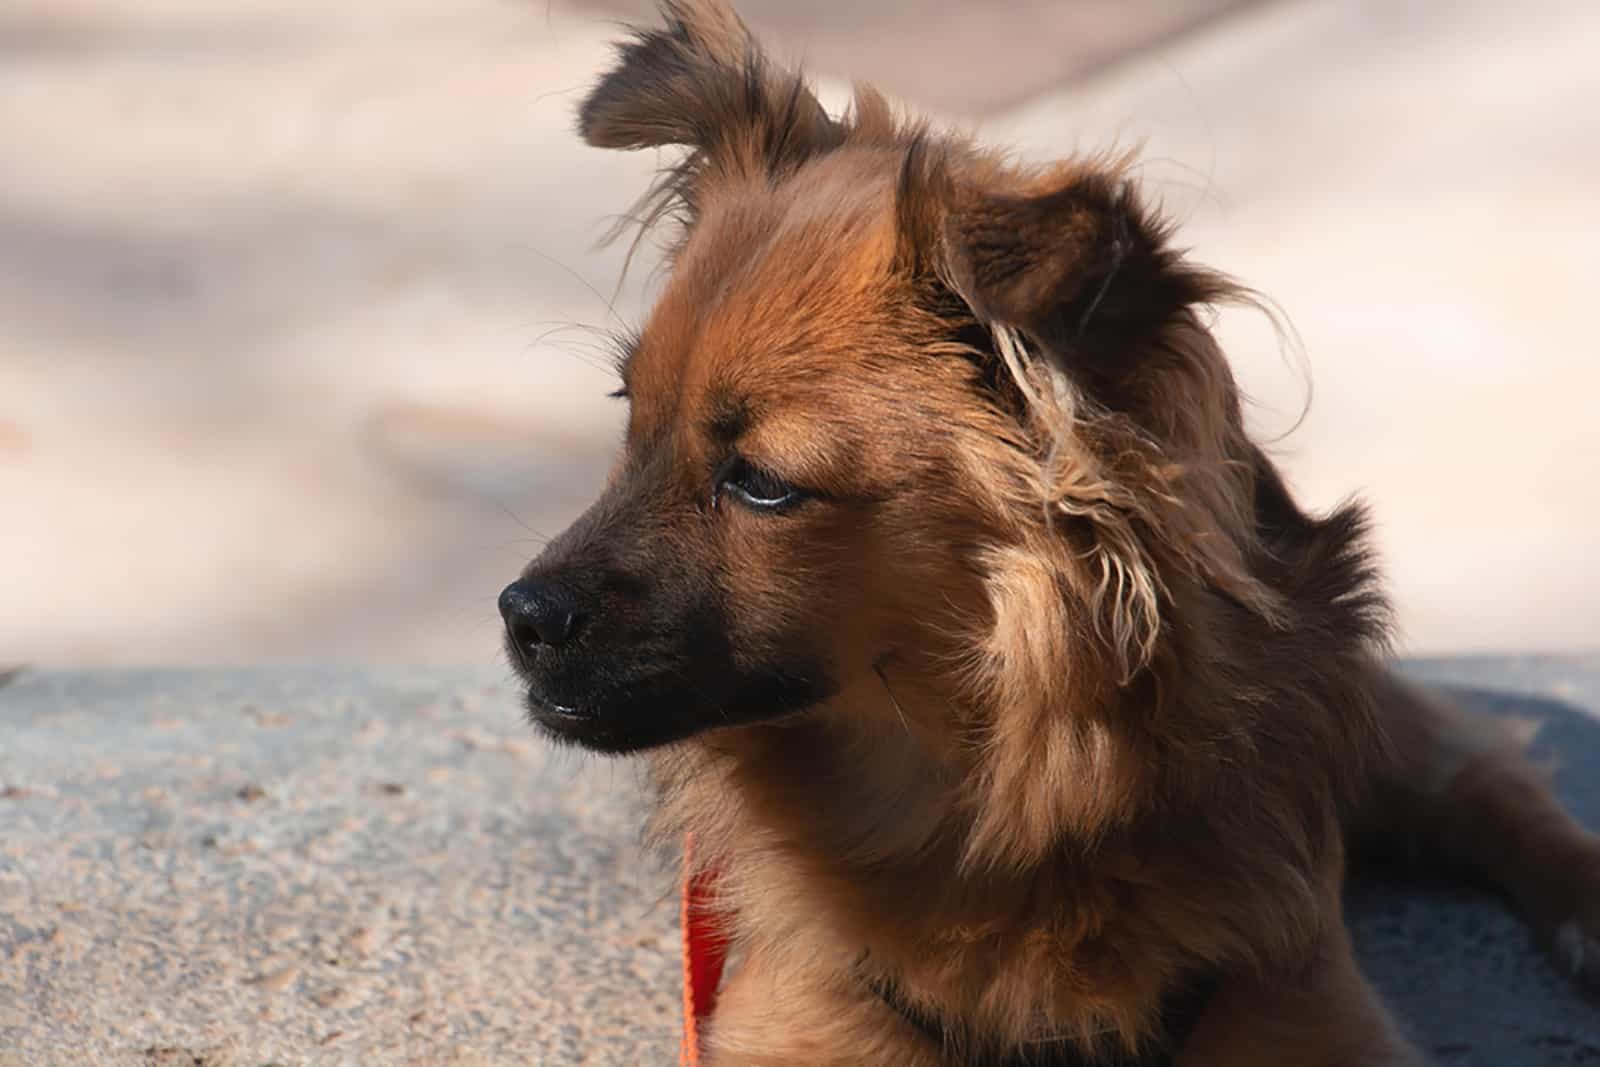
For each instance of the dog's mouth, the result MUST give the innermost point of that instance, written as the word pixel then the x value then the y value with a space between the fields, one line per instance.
pixel 617 721
pixel 609 706
pixel 568 722
pixel 550 708
pixel 662 707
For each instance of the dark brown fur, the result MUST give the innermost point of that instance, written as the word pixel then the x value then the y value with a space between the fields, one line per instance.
pixel 1045 694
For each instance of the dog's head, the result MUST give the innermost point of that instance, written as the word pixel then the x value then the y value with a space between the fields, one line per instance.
pixel 911 430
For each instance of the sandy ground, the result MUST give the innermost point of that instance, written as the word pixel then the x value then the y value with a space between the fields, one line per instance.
pixel 298 300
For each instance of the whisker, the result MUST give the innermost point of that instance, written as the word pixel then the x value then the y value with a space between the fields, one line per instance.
pixel 877 668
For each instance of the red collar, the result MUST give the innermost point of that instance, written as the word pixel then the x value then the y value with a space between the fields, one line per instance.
pixel 705 950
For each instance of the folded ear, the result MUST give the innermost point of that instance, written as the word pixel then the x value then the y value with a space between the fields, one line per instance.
pixel 1070 259
pixel 702 82
pixel 1081 268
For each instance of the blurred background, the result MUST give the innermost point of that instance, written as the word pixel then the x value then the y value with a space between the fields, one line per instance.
pixel 299 300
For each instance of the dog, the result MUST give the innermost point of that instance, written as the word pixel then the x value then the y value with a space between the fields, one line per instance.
pixel 1022 714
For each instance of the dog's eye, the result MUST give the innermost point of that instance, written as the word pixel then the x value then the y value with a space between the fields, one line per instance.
pixel 757 488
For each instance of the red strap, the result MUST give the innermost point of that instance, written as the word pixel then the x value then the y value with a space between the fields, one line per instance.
pixel 705 950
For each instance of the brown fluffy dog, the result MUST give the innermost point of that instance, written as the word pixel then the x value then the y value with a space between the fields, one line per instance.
pixel 1025 715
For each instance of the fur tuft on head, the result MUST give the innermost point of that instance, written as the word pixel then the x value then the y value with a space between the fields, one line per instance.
pixel 702 83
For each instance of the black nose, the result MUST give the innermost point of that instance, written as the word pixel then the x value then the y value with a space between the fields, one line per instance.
pixel 537 614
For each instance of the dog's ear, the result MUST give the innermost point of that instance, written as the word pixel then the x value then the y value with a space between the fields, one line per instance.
pixel 1072 260
pixel 1081 268
pixel 702 82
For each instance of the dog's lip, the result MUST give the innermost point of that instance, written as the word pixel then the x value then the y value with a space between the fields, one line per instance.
pixel 545 706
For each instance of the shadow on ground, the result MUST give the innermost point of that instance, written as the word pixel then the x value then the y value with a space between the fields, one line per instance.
pixel 1457 967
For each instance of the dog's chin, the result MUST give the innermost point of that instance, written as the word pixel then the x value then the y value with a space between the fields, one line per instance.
pixel 648 716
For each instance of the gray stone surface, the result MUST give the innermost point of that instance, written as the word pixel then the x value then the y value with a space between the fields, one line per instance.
pixel 318 867
pixel 237 869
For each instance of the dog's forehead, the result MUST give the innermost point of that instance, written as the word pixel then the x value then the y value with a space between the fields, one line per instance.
pixel 775 292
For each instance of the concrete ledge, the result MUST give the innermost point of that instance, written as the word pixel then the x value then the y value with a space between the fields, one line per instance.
pixel 238 869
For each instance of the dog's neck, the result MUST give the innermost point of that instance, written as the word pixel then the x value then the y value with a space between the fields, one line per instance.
pixel 847 849
pixel 826 848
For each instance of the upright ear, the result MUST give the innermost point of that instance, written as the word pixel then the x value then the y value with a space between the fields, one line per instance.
pixel 702 82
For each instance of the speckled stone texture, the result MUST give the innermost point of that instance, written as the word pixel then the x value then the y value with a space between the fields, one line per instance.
pixel 319 867
pixel 241 869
